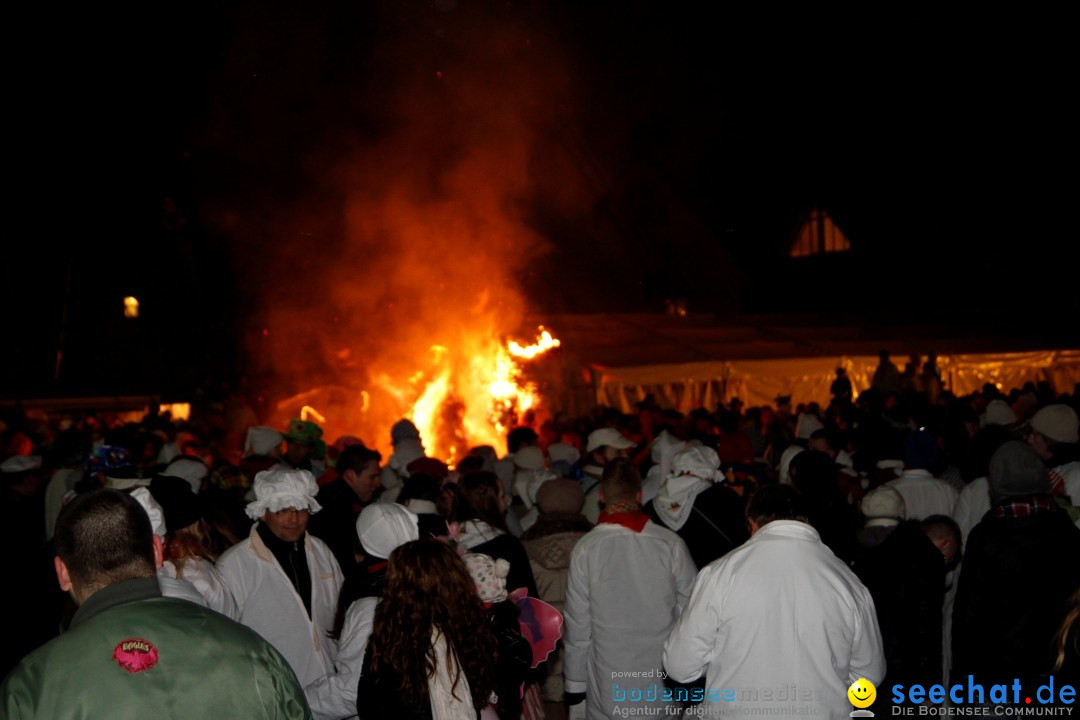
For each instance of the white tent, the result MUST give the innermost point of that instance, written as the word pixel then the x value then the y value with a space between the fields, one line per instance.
pixel 758 382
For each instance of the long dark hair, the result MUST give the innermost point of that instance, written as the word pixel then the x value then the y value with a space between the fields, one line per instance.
pixel 428 587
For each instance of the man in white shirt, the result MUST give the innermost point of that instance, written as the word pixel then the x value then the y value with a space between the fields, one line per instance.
pixel 779 626
pixel 628 580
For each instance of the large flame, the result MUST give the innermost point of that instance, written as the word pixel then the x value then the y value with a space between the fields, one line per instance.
pixel 392 290
pixel 471 394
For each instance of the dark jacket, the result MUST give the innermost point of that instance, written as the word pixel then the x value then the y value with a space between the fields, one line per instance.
pixel 379 697
pixel 335 524
pixel 1017 576
pixel 906 577
pixel 715 525
pixel 514 658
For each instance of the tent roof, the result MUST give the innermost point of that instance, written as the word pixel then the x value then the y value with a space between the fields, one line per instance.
pixel 625 340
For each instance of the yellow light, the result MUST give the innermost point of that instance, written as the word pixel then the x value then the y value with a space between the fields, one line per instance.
pixel 308 411
pixel 131 307
pixel 178 411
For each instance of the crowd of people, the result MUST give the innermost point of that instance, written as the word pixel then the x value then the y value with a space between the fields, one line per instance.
pixel 730 560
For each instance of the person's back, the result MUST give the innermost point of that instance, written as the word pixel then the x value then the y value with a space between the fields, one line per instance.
pixel 131 653
pixel 381 528
pixel 924 495
pixel 1021 569
pixel 549 544
pixel 151 658
pixel 629 578
pixel 906 576
pixel 695 503
pixel 779 612
pixel 1018 572
pixel 429 603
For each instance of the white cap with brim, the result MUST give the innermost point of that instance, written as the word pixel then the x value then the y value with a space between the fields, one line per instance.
pixel 384 527
pixel 1057 422
pixel 280 488
pixel 607 437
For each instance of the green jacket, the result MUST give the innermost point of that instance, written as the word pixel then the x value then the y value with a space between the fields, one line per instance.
pixel 131 653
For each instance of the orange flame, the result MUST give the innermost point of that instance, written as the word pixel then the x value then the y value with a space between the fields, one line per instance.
pixel 470 395
pixel 544 342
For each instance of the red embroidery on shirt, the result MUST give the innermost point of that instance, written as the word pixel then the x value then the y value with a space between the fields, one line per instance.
pixel 135 655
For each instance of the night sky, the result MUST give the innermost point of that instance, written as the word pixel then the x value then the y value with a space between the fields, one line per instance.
pixel 204 160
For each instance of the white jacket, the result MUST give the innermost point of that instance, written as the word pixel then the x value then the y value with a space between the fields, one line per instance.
pixel 779 617
pixel 971 504
pixel 172 587
pixel 332 697
pixel 924 495
pixel 207 579
pixel 269 605
pixel 623 595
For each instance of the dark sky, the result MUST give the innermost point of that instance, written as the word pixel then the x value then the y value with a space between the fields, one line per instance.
pixel 204 160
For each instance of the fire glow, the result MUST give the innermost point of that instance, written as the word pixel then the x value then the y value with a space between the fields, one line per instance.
pixel 411 304
pixel 471 397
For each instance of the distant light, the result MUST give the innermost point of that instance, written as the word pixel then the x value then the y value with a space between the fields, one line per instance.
pixel 131 307
pixel 178 411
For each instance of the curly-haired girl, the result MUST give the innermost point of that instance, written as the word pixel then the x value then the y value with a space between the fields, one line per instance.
pixel 432 652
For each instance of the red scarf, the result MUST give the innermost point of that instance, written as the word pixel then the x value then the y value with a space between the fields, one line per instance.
pixel 628 515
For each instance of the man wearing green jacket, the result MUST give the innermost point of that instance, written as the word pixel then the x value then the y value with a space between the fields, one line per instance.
pixel 131 653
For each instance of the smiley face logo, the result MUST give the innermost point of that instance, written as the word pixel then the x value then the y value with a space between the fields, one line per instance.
pixel 862 693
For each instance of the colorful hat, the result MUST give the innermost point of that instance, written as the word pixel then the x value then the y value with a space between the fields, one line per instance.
pixel 489 575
